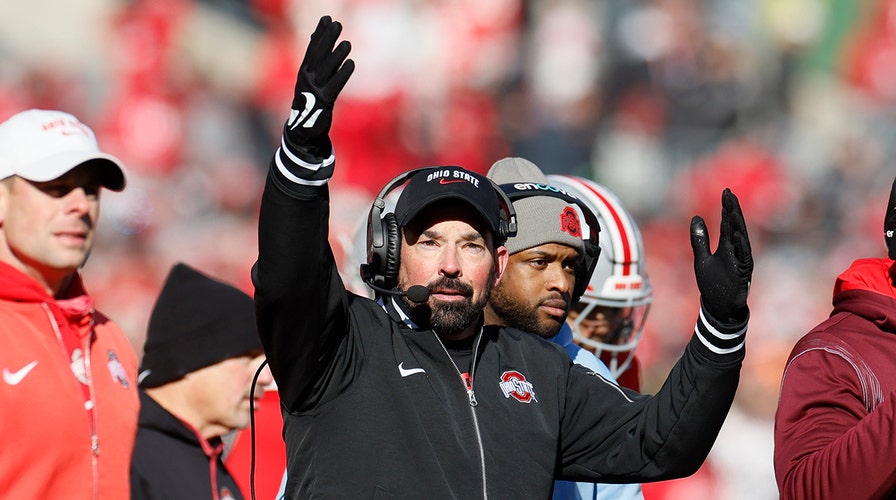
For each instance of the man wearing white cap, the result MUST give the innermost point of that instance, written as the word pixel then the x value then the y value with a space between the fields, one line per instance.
pixel 68 398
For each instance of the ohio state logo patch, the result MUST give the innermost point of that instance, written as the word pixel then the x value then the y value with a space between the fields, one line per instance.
pixel 116 369
pixel 514 385
pixel 569 222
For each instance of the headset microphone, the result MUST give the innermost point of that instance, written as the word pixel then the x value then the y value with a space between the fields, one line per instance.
pixel 416 293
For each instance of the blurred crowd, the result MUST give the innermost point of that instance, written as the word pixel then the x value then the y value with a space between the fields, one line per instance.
pixel 666 102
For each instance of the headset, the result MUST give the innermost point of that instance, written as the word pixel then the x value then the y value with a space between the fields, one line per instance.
pixel 521 190
pixel 384 235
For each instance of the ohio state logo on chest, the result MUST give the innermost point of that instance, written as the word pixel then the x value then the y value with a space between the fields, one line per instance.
pixel 514 385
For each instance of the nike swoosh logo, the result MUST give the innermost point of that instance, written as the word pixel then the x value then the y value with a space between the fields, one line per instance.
pixel 310 101
pixel 406 372
pixel 13 378
pixel 447 181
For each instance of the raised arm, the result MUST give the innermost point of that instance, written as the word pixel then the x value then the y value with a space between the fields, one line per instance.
pixel 298 294
pixel 675 429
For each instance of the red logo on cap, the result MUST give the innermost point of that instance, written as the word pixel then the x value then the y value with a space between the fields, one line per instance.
pixel 569 222
pixel 66 127
pixel 447 181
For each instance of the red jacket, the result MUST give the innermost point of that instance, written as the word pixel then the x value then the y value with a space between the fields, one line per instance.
pixel 56 443
pixel 834 423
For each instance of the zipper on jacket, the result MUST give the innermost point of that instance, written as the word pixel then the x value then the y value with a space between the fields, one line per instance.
pixel 468 386
pixel 94 435
pixel 94 438
pixel 470 393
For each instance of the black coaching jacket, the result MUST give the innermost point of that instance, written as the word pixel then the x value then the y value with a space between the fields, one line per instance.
pixel 374 408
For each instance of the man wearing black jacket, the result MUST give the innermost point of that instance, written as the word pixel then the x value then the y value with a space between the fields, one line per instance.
pixel 201 352
pixel 410 396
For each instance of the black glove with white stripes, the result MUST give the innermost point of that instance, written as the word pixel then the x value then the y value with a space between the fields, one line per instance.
pixel 723 277
pixel 306 152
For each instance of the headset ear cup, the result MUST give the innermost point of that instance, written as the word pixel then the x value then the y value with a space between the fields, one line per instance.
pixel 392 254
pixel 585 269
pixel 375 251
pixel 582 278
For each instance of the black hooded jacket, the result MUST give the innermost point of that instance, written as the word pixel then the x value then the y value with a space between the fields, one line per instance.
pixel 171 462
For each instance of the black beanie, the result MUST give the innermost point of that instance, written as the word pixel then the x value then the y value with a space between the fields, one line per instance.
pixel 197 321
pixel 890 223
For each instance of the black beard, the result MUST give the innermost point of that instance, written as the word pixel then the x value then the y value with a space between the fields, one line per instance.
pixel 449 318
pixel 521 317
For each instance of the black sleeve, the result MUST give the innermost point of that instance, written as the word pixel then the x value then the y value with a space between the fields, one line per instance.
pixel 300 299
pixel 141 487
pixel 620 436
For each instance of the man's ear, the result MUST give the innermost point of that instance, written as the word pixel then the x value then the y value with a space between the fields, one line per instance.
pixel 5 186
pixel 501 258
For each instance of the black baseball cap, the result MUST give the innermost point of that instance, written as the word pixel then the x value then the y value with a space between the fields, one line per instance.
pixel 434 184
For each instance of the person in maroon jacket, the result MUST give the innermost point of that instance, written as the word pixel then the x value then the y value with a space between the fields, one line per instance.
pixel 837 407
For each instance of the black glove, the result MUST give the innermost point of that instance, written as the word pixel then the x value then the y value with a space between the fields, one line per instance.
pixel 322 75
pixel 723 278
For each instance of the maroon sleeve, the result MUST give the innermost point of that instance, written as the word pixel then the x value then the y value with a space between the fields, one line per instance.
pixel 828 441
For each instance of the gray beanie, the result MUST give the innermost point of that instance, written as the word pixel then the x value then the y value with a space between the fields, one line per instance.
pixel 540 219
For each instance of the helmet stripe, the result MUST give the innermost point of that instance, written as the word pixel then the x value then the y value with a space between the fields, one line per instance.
pixel 622 242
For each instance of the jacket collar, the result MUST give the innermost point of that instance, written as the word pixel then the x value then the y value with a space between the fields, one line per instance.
pixel 154 416
pixel 19 287
pixel 397 310
pixel 866 289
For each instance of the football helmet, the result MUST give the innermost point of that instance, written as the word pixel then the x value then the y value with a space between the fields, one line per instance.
pixel 610 317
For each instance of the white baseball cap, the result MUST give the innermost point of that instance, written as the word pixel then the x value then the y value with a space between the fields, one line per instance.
pixel 42 145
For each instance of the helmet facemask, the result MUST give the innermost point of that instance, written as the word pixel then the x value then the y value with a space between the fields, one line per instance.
pixel 614 330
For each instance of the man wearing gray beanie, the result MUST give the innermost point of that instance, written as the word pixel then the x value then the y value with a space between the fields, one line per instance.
pixel 539 284
pixel 202 350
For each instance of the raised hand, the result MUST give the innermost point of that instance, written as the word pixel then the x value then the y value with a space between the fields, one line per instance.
pixel 723 277
pixel 306 155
